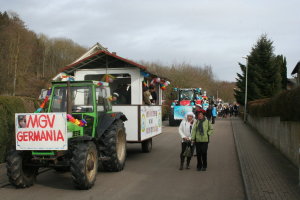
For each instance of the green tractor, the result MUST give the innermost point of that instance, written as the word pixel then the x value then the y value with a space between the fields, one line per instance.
pixel 99 145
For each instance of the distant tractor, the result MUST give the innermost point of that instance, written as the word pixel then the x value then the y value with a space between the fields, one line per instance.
pixel 185 100
pixel 92 133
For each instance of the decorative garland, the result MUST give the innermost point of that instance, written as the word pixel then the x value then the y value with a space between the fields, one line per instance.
pixel 162 83
pixel 66 77
pixel 145 84
pixel 98 83
pixel 145 74
pixel 42 106
pixel 108 78
pixel 77 122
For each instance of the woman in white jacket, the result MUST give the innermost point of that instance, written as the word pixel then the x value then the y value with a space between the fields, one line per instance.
pixel 185 131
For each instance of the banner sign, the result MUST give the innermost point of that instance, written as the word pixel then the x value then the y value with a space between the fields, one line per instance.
pixel 180 111
pixel 41 131
pixel 151 121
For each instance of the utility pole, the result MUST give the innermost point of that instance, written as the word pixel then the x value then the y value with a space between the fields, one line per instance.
pixel 246 94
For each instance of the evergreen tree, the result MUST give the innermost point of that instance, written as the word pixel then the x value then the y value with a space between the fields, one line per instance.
pixel 264 72
pixel 281 62
pixel 240 83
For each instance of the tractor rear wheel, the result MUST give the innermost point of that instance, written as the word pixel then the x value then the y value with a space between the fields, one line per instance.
pixel 84 165
pixel 20 175
pixel 113 147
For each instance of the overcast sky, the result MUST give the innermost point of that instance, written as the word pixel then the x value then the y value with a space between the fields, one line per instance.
pixel 200 32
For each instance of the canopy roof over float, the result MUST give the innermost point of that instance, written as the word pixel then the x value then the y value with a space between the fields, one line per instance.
pixel 100 57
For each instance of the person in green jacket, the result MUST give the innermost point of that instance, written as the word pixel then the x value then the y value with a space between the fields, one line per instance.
pixel 200 137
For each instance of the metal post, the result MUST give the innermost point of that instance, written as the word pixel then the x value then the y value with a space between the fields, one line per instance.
pixel 246 94
pixel 69 100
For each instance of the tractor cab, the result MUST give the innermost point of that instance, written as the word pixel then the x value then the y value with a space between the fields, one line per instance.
pixel 187 96
pixel 83 100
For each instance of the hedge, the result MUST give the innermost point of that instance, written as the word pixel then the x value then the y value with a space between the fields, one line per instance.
pixel 8 107
pixel 286 105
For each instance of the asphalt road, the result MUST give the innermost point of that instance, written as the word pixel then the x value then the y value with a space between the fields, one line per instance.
pixel 152 175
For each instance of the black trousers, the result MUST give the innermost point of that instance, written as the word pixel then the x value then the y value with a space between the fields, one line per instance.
pixel 184 145
pixel 201 149
pixel 213 120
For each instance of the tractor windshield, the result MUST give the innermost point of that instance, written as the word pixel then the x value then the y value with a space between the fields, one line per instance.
pixel 81 99
pixel 186 95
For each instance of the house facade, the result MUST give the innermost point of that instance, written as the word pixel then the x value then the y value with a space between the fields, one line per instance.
pixel 296 73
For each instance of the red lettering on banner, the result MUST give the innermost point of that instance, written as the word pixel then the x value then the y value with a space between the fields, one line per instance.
pixel 40 121
pixel 33 122
pixel 43 121
pixel 51 123
pixel 30 135
pixel 48 135
pixel 55 137
pixel 19 136
pixel 60 136
pixel 36 136
pixel 43 136
pixel 25 136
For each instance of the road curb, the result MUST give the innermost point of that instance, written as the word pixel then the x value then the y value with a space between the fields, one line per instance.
pixel 237 147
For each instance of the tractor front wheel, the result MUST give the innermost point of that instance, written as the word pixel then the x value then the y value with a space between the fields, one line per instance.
pixel 84 165
pixel 20 175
